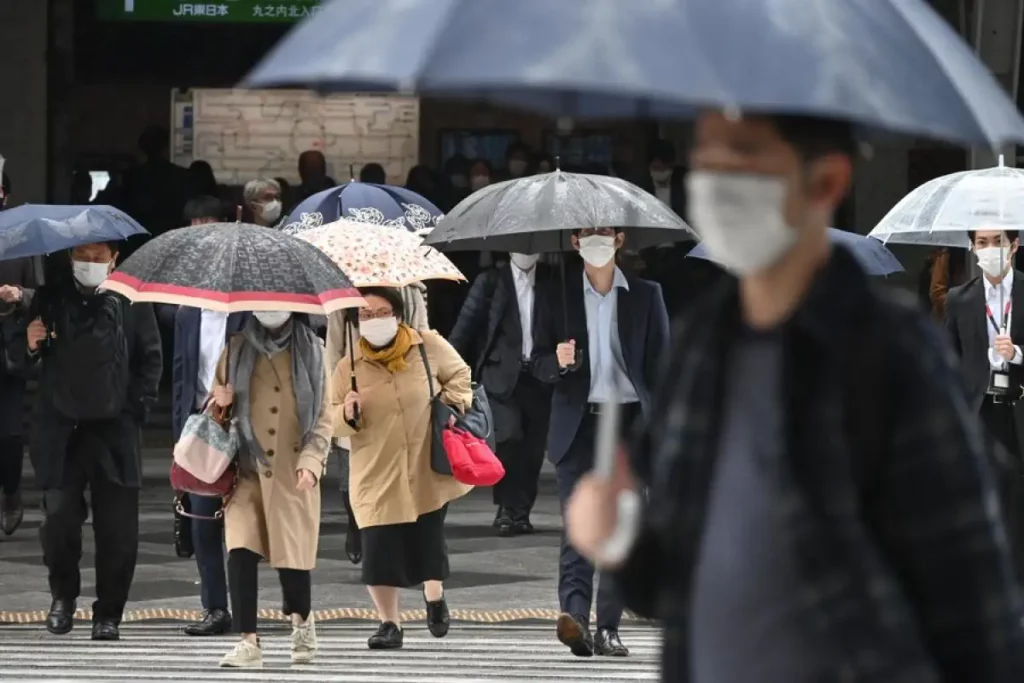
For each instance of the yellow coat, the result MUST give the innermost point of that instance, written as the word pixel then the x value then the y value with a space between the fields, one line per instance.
pixel 390 479
pixel 266 514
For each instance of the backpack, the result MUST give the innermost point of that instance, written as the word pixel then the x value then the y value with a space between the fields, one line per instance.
pixel 87 360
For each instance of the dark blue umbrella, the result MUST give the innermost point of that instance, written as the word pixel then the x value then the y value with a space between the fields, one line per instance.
pixel 873 256
pixel 37 229
pixel 366 202
pixel 889 64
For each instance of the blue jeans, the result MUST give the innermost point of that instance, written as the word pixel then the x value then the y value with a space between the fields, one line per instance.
pixel 208 541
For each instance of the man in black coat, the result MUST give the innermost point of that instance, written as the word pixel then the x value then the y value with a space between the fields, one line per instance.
pixel 99 363
pixel 494 333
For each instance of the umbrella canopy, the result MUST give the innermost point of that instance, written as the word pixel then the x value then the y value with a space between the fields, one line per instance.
pixel 379 255
pixel 365 202
pixel 234 267
pixel 890 64
pixel 872 255
pixel 535 214
pixel 942 211
pixel 37 229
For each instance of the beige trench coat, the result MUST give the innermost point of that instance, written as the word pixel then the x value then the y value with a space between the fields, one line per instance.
pixel 390 479
pixel 266 514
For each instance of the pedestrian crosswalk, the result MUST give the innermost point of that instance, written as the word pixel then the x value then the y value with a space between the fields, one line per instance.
pixel 481 654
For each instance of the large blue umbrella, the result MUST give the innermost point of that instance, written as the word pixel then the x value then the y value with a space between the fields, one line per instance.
pixel 873 256
pixel 37 229
pixel 889 64
pixel 366 202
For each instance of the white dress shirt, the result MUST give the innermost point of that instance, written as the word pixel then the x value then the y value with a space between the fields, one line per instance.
pixel 525 281
pixel 213 327
pixel 992 296
pixel 664 193
pixel 609 382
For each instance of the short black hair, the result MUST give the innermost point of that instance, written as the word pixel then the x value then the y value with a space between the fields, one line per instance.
pixel 391 295
pixel 814 137
pixel 1011 235
pixel 204 206
pixel 663 150
pixel 373 173
pixel 154 140
pixel 517 147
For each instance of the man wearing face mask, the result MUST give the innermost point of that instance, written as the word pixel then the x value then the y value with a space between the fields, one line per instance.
pixel 617 332
pixel 517 160
pixel 262 198
pixel 99 365
pixel 820 506
pixel 495 332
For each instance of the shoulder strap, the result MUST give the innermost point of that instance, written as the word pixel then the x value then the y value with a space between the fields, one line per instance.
pixel 426 366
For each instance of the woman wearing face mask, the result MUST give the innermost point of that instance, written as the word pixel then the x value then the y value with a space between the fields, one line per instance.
pixel 398 500
pixel 480 174
pixel 278 390
pixel 262 198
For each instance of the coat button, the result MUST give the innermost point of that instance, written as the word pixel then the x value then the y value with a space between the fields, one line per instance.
pixel 273 411
pixel 271 431
pixel 270 453
pixel 295 449
pixel 277 389
pixel 268 474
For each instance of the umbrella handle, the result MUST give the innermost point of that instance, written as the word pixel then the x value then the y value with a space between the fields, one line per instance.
pixel 352 365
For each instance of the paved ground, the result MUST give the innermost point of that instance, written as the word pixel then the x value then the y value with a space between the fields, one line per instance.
pixel 482 654
pixel 493 579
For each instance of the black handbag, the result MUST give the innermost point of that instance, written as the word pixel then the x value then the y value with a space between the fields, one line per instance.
pixel 478 420
pixel 183 546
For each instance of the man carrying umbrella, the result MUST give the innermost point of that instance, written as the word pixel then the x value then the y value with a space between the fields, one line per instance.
pixel 820 504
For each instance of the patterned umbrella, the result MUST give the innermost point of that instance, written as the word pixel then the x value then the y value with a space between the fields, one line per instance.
pixel 366 203
pixel 234 267
pixel 380 256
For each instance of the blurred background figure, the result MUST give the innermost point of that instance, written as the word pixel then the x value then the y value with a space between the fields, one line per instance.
pixel 373 173
pixel 313 173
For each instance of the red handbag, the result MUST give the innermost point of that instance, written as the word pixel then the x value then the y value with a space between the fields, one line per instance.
pixel 472 460
pixel 184 482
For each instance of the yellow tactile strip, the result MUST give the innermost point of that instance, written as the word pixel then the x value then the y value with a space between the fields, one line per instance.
pixel 340 614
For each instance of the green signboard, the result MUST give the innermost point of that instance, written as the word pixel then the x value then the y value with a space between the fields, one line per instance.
pixel 219 11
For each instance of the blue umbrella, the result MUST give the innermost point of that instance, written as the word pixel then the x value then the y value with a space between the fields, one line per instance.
pixel 366 202
pixel 889 64
pixel 873 256
pixel 37 229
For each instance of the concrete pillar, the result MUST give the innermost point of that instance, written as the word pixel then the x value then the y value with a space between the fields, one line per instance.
pixel 23 100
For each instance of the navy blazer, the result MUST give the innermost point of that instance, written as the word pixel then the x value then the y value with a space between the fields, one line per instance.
pixel 643 334
pixel 187 323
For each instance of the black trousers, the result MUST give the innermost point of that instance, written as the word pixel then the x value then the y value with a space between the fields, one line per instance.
pixel 12 458
pixel 1001 426
pixel 523 457
pixel 575 572
pixel 115 526
pixel 243 582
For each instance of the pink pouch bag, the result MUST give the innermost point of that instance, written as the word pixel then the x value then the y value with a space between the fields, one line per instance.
pixel 208 445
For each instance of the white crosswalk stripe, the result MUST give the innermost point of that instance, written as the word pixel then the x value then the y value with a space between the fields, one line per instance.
pixel 481 654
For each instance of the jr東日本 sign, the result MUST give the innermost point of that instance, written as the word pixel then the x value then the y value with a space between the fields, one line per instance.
pixel 233 11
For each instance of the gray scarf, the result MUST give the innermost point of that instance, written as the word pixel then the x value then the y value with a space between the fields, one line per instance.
pixel 307 380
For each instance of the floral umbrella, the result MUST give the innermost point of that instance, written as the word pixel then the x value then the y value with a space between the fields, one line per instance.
pixel 379 255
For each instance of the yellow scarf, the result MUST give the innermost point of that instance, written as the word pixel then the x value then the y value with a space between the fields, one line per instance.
pixel 392 357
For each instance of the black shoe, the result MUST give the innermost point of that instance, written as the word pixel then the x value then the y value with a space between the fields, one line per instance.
pixel 498 516
pixel 437 617
pixel 508 527
pixel 607 643
pixel 387 637
pixel 216 622
pixel 353 543
pixel 62 616
pixel 573 633
pixel 105 630
pixel 12 512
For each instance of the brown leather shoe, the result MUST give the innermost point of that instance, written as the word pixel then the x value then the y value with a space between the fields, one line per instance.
pixel 573 633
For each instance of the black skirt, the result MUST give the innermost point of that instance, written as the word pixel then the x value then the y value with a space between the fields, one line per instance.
pixel 406 555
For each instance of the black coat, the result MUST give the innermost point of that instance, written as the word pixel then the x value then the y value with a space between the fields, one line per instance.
pixel 13 319
pixel 117 441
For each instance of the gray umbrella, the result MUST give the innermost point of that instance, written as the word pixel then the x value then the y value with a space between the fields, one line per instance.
pixel 535 214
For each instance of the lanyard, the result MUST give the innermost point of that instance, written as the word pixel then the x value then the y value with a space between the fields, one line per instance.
pixel 1006 316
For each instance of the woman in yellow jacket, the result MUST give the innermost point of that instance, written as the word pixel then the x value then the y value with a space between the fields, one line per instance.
pixel 399 502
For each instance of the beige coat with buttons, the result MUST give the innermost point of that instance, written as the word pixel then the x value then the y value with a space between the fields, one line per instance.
pixel 266 514
pixel 390 479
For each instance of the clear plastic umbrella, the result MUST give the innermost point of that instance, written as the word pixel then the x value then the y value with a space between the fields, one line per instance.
pixel 941 212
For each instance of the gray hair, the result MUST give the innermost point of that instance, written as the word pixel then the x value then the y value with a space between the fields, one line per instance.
pixel 254 188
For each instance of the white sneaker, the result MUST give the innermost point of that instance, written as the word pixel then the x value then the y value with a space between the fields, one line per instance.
pixel 304 644
pixel 245 655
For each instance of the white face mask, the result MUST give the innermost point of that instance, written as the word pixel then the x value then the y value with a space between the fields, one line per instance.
pixel 524 261
pixel 271 211
pixel 460 181
pixel 741 218
pixel 271 319
pixel 993 260
pixel 379 332
pixel 661 176
pixel 479 182
pixel 597 250
pixel 90 275
pixel 517 167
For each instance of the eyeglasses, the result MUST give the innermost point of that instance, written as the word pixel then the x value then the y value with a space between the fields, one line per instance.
pixel 366 314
